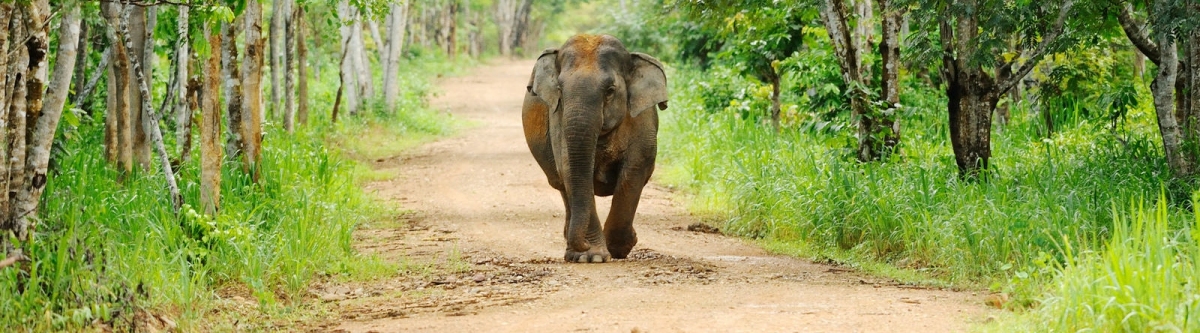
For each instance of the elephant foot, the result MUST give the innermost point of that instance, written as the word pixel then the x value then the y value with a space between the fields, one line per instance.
pixel 593 255
pixel 620 243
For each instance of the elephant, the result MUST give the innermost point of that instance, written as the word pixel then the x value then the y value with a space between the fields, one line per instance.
pixel 591 122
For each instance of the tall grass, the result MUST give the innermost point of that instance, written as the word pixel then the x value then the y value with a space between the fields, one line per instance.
pixel 1146 279
pixel 801 189
pixel 106 250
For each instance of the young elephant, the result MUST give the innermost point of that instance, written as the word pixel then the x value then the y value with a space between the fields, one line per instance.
pixel 591 124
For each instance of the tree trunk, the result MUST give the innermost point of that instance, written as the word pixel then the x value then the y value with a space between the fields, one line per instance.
pixel 44 112
pixel 833 14
pixel 289 88
pixel 301 70
pixel 452 23
pixel 101 71
pixel 251 129
pixel 505 18
pixel 889 51
pixel 231 88
pixel 775 107
pixel 150 126
pixel 210 129
pixel 183 114
pixel 971 98
pixel 362 64
pixel 391 77
pixel 348 73
pixel 81 57
pixel 278 10
pixel 380 44
pixel 1163 90
pixel 521 25
pixel 138 49
pixel 119 121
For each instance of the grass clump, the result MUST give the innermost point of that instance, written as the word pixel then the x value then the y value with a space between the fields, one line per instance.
pixel 1146 279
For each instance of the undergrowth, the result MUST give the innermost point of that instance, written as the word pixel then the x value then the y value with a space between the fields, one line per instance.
pixel 802 192
pixel 107 252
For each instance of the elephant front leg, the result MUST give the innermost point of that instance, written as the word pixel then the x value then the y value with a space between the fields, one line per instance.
pixel 618 228
pixel 588 246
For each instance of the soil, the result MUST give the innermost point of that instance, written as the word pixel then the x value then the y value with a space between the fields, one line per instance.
pixel 482 250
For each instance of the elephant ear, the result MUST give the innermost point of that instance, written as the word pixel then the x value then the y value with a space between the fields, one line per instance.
pixel 544 82
pixel 647 84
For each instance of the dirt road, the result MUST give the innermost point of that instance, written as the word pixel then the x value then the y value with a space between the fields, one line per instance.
pixel 484 247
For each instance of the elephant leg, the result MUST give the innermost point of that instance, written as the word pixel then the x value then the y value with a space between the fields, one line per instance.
pixel 618 228
pixel 597 251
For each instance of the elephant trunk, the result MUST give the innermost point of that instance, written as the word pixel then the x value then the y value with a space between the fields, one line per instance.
pixel 581 127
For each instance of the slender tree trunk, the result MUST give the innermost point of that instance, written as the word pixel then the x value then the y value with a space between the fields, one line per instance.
pixel 150 126
pixel 775 106
pixel 362 64
pixel 380 43
pixel 301 69
pixel 277 57
pixel 348 72
pixel 252 73
pixel 505 20
pixel 119 109
pixel 889 51
pixel 141 139
pixel 84 91
pixel 833 14
pixel 521 25
pixel 391 84
pixel 289 99
pixel 231 88
pixel 210 129
pixel 183 114
pixel 451 23
pixel 1163 90
pixel 81 57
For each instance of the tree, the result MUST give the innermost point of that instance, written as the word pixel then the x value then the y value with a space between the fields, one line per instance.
pixel 251 123
pixel 1171 41
pixel 118 119
pixel 878 130
pixel 975 33
pixel 151 118
pixel 302 69
pixel 26 176
pixel 210 127
pixel 396 31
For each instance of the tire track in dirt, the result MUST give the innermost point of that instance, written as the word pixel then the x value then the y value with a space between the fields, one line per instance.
pixel 483 253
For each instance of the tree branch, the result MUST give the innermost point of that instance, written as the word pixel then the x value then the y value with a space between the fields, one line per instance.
pixel 1040 51
pixel 1137 35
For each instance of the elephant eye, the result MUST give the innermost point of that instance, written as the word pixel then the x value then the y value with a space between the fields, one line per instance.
pixel 611 90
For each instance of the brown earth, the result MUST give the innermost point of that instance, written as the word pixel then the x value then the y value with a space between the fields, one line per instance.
pixel 482 250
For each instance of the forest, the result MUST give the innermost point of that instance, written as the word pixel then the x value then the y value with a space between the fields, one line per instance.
pixel 162 154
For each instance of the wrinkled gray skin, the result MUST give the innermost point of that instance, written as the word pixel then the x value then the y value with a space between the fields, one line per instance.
pixel 591 122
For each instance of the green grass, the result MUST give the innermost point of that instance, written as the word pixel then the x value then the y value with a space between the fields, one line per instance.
pixel 801 191
pixel 106 250
pixel 1146 279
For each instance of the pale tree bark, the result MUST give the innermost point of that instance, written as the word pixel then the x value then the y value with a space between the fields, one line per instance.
pixel 301 70
pixel 521 26
pixel 27 173
pixel 150 125
pixel 13 124
pixel 210 129
pixel 391 77
pixel 81 57
pixel 864 31
pixel 505 17
pixel 362 65
pixel 137 49
pixel 279 10
pixel 348 72
pixel 231 87
pixel 120 120
pixel 183 114
pixel 251 122
pixel 380 43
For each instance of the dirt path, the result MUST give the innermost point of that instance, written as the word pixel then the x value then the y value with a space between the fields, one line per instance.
pixel 484 249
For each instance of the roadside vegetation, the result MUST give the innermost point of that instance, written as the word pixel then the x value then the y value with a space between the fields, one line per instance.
pixel 793 124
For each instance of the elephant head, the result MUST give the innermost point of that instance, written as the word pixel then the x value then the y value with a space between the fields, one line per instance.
pixel 592 87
